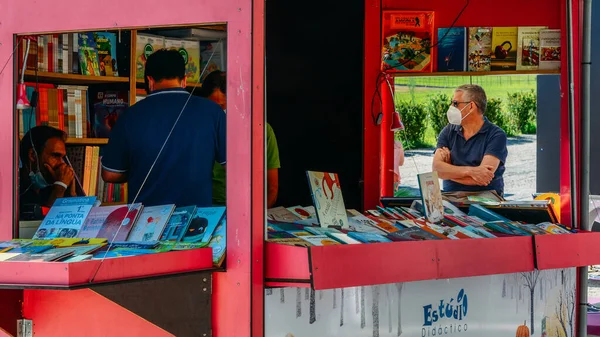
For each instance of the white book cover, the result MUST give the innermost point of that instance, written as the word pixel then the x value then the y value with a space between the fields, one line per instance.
pixel 151 223
pixel 431 195
pixel 550 49
pixel 327 199
pixel 65 218
pixel 528 50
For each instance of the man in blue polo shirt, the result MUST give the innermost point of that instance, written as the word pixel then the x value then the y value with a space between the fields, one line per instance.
pixel 194 131
pixel 471 151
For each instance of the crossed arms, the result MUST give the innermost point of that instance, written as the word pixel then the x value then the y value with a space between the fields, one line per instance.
pixel 481 175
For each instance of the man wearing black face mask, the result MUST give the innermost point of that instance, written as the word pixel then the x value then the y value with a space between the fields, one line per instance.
pixel 471 151
pixel 45 176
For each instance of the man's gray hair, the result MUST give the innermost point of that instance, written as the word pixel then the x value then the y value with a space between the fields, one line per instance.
pixel 475 93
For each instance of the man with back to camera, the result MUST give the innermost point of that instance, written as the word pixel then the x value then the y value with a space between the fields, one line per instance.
pixel 471 151
pixel 45 176
pixel 182 174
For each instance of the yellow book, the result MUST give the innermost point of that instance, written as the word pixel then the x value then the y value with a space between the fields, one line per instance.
pixel 504 48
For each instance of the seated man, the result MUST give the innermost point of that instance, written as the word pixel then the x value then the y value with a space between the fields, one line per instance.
pixel 471 151
pixel 44 176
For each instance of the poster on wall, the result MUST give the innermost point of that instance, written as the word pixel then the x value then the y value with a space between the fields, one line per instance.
pixel 536 304
pixel 407 41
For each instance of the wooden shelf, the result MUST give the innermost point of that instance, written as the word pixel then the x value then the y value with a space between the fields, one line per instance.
pixel 190 85
pixel 478 73
pixel 72 78
pixel 87 141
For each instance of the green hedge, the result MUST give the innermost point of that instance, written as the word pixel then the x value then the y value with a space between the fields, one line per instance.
pixel 436 107
pixel 500 116
pixel 523 105
pixel 414 118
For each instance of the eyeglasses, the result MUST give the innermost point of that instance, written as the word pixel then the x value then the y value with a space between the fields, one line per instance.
pixel 456 103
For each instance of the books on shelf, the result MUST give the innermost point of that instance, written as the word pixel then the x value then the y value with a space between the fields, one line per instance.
pixel 452 49
pixel 78 227
pixel 528 53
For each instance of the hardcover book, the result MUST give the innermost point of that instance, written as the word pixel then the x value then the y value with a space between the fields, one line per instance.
pixel 407 41
pixel 203 224
pixel 327 198
pixel 549 49
pixel 452 49
pixel 528 53
pixel 151 223
pixel 480 49
pixel 178 223
pixel 504 48
pixel 431 195
pixel 88 55
pixel 65 218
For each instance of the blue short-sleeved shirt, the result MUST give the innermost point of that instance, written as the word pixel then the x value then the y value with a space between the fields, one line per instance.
pixel 183 172
pixel 489 140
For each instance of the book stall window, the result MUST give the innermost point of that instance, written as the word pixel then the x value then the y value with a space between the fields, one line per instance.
pixel 106 122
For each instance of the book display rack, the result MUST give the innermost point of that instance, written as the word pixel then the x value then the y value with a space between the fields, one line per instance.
pixel 467 287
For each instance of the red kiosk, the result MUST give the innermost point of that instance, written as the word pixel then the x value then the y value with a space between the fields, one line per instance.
pixel 150 295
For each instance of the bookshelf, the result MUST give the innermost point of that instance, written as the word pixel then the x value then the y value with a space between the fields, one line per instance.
pixel 478 73
pixel 75 79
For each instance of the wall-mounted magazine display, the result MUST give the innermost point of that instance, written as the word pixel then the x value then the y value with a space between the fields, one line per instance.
pixel 327 198
pixel 407 41
pixel 65 218
pixel 431 195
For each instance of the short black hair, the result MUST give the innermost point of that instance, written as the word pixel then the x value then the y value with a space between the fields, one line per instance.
pixel 38 135
pixel 213 81
pixel 165 64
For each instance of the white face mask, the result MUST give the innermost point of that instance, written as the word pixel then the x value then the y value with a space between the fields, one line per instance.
pixel 455 115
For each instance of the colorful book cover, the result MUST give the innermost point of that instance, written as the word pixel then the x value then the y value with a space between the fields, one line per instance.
pixel 213 57
pixel 528 52
pixel 88 55
pixel 452 49
pixel 368 237
pixel 121 252
pixel 203 224
pixel 504 44
pixel 480 49
pixel 78 258
pixel 218 242
pixel 480 231
pixel 407 41
pixel 111 222
pixel 533 229
pixel 342 238
pixel 146 45
pixel 40 257
pixel 151 223
pixel 190 50
pixel 106 43
pixel 485 214
pixel 282 214
pixel 320 230
pixel 431 195
pixel 320 240
pixel 32 249
pixel 552 228
pixel 327 198
pixel 291 242
pixel 549 49
pixel 412 234
pixel 178 223
pixel 65 218
pixel 300 212
pixel 59 242
pixel 108 106
pixel 357 224
pixel 281 235
pixel 134 244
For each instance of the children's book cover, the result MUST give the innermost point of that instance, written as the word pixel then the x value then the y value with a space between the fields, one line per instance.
pixel 203 224
pixel 88 55
pixel 504 44
pixel 218 242
pixel 552 228
pixel 214 57
pixel 327 198
pixel 300 212
pixel 146 44
pixel 107 53
pixel 190 50
pixel 342 238
pixel 65 218
pixel 178 223
pixel 528 52
pixel 407 41
pixel 549 49
pixel 368 237
pixel 118 221
pixel 431 195
pixel 151 223
pixel 108 106
pixel 452 49
pixel 282 214
pixel 480 49
pixel 320 240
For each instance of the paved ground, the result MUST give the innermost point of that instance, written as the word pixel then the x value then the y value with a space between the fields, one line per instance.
pixel 519 178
